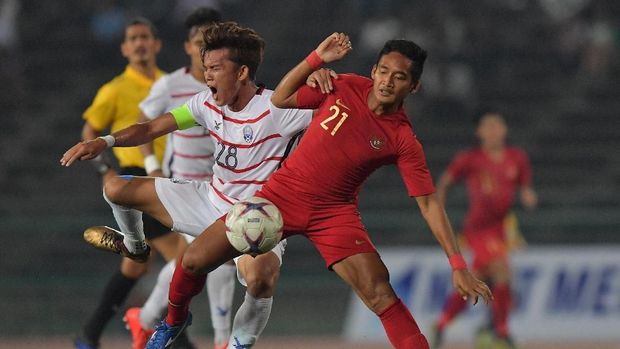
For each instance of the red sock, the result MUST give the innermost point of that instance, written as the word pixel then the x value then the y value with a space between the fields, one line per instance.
pixel 183 288
pixel 453 307
pixel 401 328
pixel 501 307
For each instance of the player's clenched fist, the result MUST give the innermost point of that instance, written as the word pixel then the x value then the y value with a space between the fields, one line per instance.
pixel 83 151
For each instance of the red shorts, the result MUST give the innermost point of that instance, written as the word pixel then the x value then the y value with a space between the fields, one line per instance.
pixel 487 245
pixel 335 230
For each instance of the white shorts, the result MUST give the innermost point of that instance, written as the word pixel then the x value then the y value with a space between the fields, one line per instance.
pixel 188 204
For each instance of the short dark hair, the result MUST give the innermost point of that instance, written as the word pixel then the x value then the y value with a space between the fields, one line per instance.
pixel 141 21
pixel 245 45
pixel 408 49
pixel 482 112
pixel 202 16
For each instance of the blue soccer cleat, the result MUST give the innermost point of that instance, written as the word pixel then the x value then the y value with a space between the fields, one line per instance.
pixel 80 343
pixel 166 334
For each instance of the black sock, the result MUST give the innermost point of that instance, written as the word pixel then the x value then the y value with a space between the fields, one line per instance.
pixel 113 297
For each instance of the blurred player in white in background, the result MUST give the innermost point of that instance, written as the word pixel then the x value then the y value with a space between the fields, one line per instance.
pixel 253 139
pixel 189 155
pixel 116 106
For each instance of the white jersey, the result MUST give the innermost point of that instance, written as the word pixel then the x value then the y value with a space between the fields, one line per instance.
pixel 250 144
pixel 189 153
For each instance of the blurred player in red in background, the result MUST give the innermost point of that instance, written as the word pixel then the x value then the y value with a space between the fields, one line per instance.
pixel 494 173
pixel 358 127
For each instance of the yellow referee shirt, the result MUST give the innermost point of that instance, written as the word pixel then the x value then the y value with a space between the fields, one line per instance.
pixel 116 107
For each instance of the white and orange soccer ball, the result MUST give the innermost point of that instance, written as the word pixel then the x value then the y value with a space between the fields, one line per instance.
pixel 254 226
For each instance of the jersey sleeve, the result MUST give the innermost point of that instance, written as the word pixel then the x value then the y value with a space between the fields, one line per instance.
pixel 459 166
pixel 290 121
pixel 188 115
pixel 158 100
pixel 412 165
pixel 192 113
pixel 196 107
pixel 309 97
pixel 100 113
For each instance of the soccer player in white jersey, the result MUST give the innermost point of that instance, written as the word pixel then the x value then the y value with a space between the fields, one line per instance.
pixel 188 155
pixel 252 138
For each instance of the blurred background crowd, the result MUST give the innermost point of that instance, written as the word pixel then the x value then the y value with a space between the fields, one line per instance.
pixel 550 66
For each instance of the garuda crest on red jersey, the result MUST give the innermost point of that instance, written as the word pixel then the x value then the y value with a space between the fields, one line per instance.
pixel 376 143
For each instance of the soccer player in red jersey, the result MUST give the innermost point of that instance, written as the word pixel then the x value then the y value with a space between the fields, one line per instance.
pixel 358 127
pixel 493 174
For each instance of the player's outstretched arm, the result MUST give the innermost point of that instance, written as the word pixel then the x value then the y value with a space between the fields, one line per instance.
pixel 131 136
pixel 464 282
pixel 444 183
pixel 333 48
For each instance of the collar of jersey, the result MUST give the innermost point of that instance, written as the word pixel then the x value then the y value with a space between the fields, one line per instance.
pixel 133 74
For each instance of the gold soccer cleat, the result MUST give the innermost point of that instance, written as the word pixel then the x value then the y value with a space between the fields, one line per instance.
pixel 108 239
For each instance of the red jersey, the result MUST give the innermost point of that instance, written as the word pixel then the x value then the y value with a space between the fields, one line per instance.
pixel 345 142
pixel 491 184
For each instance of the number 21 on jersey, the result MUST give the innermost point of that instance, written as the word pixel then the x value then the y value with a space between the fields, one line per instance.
pixel 336 113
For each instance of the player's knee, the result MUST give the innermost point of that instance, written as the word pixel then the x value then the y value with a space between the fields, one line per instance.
pixel 499 272
pixel 378 295
pixel 191 263
pixel 262 281
pixel 500 278
pixel 113 189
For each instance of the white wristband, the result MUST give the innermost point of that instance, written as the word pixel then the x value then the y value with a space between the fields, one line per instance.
pixel 151 163
pixel 109 140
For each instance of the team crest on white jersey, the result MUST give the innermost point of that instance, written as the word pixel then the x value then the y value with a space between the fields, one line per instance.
pixel 248 134
pixel 180 180
pixel 376 143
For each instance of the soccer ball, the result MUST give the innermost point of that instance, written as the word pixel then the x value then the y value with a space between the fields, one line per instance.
pixel 254 226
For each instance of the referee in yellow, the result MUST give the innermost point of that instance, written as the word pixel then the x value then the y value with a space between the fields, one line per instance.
pixel 116 107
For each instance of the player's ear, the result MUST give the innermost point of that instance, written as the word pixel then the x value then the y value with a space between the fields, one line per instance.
pixel 415 87
pixel 157 45
pixel 477 131
pixel 124 49
pixel 243 73
pixel 372 71
pixel 188 47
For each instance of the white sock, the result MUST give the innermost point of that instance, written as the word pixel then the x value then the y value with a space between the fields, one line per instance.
pixel 156 305
pixel 130 223
pixel 250 321
pixel 221 288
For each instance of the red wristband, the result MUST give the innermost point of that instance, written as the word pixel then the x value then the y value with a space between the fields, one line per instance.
pixel 457 262
pixel 314 60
